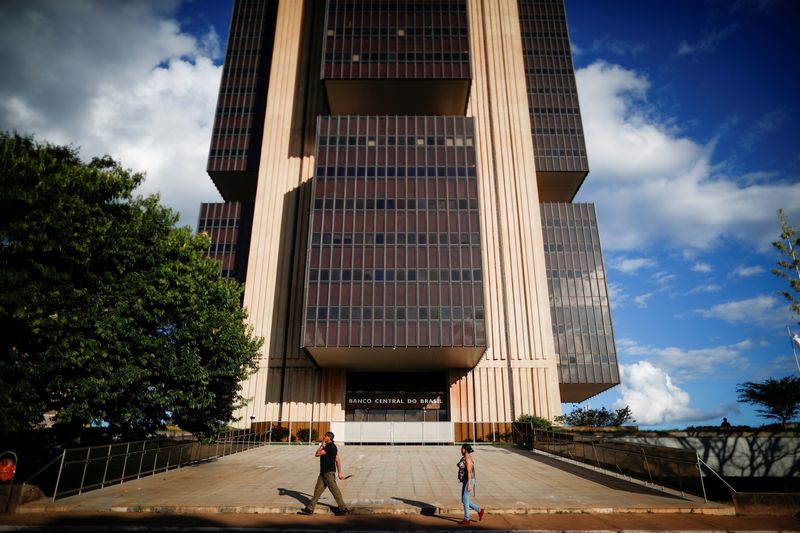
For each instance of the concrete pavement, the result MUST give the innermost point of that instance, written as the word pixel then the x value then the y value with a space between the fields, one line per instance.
pixel 384 479
pixel 391 488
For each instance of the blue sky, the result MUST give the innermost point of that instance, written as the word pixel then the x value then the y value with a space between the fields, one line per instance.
pixel 688 114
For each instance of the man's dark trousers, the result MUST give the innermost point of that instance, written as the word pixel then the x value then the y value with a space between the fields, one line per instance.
pixel 327 479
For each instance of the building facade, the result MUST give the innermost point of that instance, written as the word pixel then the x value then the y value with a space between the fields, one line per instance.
pixel 412 252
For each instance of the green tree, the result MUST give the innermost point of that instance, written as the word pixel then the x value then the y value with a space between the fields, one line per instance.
pixel 585 416
pixel 789 265
pixel 536 421
pixel 778 399
pixel 109 313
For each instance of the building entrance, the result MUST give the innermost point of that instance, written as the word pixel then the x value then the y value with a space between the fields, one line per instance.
pixel 396 397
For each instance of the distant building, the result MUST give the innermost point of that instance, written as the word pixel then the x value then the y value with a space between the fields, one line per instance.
pixel 402 172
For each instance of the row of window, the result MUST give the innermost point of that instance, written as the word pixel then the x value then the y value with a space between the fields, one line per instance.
pixel 391 204
pixel 393 274
pixel 383 31
pixel 562 71
pixel 359 6
pixel 545 34
pixel 234 110
pixel 583 329
pixel 463 239
pixel 569 222
pixel 557 131
pixel 243 52
pixel 557 110
pixel 403 57
pixel 399 172
pixel 207 223
pixel 236 90
pixel 552 90
pixel 538 52
pixel 569 274
pixel 574 247
pixel 226 152
pixel 240 70
pixel 222 248
pixel 394 313
pixel 244 34
pixel 394 140
pixel 560 153
pixel 219 132
pixel 538 17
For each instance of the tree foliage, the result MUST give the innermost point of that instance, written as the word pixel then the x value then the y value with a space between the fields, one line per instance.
pixel 536 421
pixel 779 399
pixel 585 416
pixel 789 264
pixel 109 313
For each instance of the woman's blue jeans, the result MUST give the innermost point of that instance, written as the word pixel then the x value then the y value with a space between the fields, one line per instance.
pixel 466 501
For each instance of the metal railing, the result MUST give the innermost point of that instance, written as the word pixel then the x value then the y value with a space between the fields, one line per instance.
pixel 674 468
pixel 95 467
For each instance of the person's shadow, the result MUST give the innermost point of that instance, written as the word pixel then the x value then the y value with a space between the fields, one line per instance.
pixel 301 497
pixel 426 509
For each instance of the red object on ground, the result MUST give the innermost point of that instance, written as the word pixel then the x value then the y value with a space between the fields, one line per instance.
pixel 7 469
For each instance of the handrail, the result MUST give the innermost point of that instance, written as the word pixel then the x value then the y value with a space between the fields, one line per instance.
pixel 700 464
pixel 657 465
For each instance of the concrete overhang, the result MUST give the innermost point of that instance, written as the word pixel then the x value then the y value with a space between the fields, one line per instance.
pixel 397 97
pixel 578 392
pixel 396 359
pixel 559 186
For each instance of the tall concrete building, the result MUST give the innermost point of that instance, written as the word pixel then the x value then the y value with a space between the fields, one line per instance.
pixel 398 178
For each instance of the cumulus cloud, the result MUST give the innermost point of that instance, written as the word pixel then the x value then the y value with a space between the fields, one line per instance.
pixel 116 78
pixel 655 187
pixel 664 279
pixel 708 42
pixel 711 287
pixel 764 310
pixel 617 47
pixel 641 300
pixel 689 364
pixel 652 396
pixel 702 267
pixel 747 271
pixel 630 265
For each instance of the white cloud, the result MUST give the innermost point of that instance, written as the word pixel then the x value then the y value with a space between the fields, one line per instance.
pixel 764 310
pixel 748 271
pixel 712 287
pixel 115 78
pixel 654 187
pixel 664 279
pixel 617 47
pixel 689 364
pixel 707 43
pixel 652 396
pixel 631 265
pixel 702 267
pixel 641 300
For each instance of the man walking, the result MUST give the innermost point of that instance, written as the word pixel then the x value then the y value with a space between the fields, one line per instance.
pixel 329 464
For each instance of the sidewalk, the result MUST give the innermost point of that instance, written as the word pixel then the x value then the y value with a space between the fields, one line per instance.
pixel 389 488
pixel 629 523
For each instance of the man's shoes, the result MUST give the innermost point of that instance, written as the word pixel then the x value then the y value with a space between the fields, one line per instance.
pixel 463 523
pixel 340 512
pixel 480 515
pixel 305 511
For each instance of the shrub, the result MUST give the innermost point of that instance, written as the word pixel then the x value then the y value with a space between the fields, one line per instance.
pixel 302 435
pixel 537 421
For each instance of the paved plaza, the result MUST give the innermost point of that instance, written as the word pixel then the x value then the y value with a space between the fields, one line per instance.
pixel 381 479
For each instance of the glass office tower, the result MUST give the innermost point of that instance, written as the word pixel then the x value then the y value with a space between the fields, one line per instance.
pixel 401 265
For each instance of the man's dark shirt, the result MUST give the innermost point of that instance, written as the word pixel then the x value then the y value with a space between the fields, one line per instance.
pixel 327 462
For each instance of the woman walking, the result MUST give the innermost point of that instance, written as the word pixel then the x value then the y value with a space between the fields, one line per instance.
pixel 466 475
